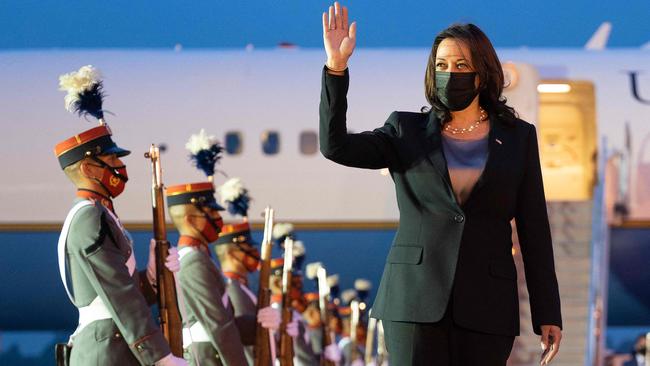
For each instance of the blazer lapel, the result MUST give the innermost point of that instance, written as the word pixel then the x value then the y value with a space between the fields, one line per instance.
pixel 498 143
pixel 434 151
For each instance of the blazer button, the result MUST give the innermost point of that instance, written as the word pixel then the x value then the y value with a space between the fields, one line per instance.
pixel 459 218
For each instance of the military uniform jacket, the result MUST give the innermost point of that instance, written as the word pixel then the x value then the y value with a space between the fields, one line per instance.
pixel 97 250
pixel 316 340
pixel 444 253
pixel 345 345
pixel 245 313
pixel 203 290
pixel 304 354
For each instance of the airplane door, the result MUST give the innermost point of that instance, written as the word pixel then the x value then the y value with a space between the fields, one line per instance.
pixel 567 138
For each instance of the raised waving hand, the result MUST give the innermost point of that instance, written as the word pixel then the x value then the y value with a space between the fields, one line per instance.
pixel 339 37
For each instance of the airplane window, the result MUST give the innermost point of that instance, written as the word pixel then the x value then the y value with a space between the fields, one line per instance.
pixel 234 144
pixel 308 142
pixel 270 142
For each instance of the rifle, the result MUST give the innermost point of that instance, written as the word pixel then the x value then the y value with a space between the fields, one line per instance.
pixel 354 324
pixel 170 317
pixel 323 300
pixel 286 342
pixel 262 350
pixel 382 352
pixel 370 339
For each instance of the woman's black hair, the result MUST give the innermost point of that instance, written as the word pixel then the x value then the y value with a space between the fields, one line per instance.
pixel 485 63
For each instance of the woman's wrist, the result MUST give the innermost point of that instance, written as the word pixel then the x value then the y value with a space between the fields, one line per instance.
pixel 336 68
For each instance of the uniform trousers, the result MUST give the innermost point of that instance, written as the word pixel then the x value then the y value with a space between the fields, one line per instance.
pixel 443 343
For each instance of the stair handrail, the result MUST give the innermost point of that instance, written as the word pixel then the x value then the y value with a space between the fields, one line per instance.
pixel 598 286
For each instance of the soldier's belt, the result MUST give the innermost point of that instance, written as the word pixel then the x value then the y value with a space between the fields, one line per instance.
pixel 96 310
pixel 193 334
pixel 93 312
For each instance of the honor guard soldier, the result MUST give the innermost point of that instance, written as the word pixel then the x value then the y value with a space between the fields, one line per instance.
pixel 335 318
pixel 213 334
pixel 316 325
pixel 345 343
pixel 277 264
pixel 303 352
pixel 210 334
pixel 238 257
pixel 96 252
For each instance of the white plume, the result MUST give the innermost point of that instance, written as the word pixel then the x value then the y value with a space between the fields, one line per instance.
pixel 348 295
pixel 200 141
pixel 311 270
pixel 298 248
pixel 282 229
pixel 77 82
pixel 362 285
pixel 333 280
pixel 231 190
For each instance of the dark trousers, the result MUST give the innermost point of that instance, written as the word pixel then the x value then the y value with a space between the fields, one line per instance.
pixel 443 344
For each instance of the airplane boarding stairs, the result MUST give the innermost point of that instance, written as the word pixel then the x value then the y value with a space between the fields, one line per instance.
pixel 571 227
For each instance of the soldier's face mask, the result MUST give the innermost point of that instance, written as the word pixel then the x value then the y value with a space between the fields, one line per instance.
pixel 300 304
pixel 295 293
pixel 456 90
pixel 251 258
pixel 113 178
pixel 212 228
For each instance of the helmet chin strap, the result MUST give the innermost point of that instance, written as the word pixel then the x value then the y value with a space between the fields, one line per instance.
pixel 205 240
pixel 106 191
pixel 113 169
pixel 93 178
pixel 208 218
pixel 234 258
pixel 248 252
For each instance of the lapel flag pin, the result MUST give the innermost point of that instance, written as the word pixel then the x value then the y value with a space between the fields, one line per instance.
pixel 499 141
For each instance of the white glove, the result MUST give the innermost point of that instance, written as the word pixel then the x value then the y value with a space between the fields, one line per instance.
pixel 332 353
pixel 171 360
pixel 269 318
pixel 172 262
pixel 292 327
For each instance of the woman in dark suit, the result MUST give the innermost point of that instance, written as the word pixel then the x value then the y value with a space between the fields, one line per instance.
pixel 462 172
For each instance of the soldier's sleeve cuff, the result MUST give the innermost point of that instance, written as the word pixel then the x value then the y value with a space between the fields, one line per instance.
pixel 150 349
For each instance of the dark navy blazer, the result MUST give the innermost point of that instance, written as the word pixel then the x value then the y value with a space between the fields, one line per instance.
pixel 442 250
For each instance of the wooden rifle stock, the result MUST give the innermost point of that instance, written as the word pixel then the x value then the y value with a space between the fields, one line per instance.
pixel 323 301
pixel 286 342
pixel 170 317
pixel 262 350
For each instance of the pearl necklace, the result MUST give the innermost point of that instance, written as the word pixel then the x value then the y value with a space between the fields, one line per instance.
pixel 455 131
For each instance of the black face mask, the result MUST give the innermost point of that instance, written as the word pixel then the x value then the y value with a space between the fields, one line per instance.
pixel 456 90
